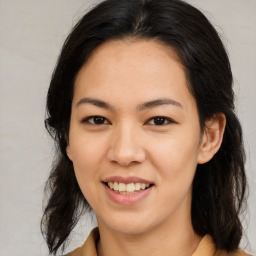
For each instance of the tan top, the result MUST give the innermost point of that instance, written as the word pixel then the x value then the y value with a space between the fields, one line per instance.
pixel 205 248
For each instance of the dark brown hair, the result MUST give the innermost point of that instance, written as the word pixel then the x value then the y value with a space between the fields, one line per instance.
pixel 219 186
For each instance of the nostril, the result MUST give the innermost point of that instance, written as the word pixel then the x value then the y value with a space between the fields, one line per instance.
pixel 126 153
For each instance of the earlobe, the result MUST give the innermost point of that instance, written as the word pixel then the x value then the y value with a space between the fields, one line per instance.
pixel 212 137
pixel 69 152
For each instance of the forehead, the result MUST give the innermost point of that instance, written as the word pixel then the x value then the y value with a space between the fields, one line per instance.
pixel 144 69
pixel 137 53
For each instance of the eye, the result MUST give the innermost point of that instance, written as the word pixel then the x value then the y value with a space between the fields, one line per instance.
pixel 95 120
pixel 159 120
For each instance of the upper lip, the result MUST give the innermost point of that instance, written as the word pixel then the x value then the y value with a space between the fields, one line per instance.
pixel 127 180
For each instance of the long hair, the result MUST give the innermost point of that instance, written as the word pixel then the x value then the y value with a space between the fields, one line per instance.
pixel 219 186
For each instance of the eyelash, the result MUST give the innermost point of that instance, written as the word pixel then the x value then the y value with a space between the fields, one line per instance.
pixel 87 120
pixel 162 118
pixel 105 121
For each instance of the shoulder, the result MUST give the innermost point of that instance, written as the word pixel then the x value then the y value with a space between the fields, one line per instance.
pixel 234 253
pixel 89 248
pixel 207 247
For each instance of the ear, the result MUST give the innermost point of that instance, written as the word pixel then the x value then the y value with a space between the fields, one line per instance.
pixel 68 150
pixel 212 137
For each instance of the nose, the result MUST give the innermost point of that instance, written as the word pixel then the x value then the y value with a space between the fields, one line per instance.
pixel 126 147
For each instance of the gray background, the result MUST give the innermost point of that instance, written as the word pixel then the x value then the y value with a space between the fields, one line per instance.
pixel 31 35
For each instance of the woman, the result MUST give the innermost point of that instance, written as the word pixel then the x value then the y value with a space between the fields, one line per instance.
pixel 141 108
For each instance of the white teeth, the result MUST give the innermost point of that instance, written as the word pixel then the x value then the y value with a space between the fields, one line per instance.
pixel 137 186
pixel 111 185
pixel 127 188
pixel 116 186
pixel 130 187
pixel 122 187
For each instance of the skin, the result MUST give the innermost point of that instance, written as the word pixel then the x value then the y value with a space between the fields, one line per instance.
pixel 128 142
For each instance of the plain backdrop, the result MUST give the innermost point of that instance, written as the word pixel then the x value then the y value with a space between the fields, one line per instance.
pixel 31 36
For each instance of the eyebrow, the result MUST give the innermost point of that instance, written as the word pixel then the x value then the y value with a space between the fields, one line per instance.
pixel 95 102
pixel 159 102
pixel 141 107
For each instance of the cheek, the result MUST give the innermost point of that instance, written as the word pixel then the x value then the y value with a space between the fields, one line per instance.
pixel 176 170
pixel 86 150
pixel 176 159
pixel 86 160
pixel 87 156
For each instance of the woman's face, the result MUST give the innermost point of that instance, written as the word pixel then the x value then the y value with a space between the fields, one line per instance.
pixel 135 128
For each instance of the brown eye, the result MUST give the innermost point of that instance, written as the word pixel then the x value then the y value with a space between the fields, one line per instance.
pixel 159 120
pixel 98 120
pixel 95 120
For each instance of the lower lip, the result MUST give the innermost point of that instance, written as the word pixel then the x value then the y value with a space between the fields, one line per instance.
pixel 127 199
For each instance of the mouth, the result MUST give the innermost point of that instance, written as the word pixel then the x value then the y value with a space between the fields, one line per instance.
pixel 129 188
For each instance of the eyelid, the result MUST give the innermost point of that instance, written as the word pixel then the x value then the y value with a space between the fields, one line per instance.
pixel 169 120
pixel 85 120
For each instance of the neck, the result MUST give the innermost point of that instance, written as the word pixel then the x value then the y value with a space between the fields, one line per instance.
pixel 181 241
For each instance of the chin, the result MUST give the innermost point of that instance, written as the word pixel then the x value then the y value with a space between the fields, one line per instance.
pixel 131 229
pixel 129 225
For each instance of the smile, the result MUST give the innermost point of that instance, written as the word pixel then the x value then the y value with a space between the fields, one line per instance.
pixel 129 188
